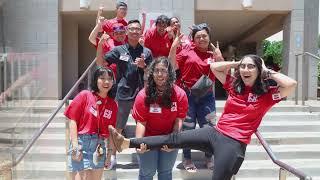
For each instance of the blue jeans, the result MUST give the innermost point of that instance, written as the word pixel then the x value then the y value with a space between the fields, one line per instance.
pixel 201 110
pixel 156 160
pixel 88 145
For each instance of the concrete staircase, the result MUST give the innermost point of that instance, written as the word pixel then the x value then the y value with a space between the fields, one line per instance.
pixel 292 131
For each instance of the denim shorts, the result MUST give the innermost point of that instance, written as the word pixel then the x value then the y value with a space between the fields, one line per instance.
pixel 88 144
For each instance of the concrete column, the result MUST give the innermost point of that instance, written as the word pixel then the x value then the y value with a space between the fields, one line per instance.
pixel 311 16
pixel 69 53
pixel 293 33
pixel 184 9
pixel 299 35
pixel 33 27
pixel 259 48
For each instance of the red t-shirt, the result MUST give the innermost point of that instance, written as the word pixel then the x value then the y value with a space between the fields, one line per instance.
pixel 243 113
pixel 90 111
pixel 108 24
pixel 159 45
pixel 193 64
pixel 160 120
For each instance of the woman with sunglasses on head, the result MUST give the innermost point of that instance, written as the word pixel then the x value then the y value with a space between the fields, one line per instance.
pixel 90 113
pixel 193 62
pixel 248 101
pixel 159 109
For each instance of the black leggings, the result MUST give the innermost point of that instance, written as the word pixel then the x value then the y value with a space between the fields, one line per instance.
pixel 228 153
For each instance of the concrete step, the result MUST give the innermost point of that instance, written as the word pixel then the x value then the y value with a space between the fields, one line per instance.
pixel 254 152
pixel 284 138
pixel 129 170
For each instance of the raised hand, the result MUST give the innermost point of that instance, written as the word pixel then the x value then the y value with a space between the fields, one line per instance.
pixel 104 38
pixel 216 53
pixel 140 61
pixel 177 40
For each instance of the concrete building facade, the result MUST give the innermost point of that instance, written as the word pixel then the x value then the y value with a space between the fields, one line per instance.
pixel 55 33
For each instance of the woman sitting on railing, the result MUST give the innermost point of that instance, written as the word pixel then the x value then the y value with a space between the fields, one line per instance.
pixel 249 100
pixel 90 113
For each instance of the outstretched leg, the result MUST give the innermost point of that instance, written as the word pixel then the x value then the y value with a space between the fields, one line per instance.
pixel 199 139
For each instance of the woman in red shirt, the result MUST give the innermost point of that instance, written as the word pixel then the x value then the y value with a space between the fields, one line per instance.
pixel 90 113
pixel 248 101
pixel 193 62
pixel 159 109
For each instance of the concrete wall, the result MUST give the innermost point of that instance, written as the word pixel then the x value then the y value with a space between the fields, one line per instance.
pixel 74 5
pixel 69 53
pixel 32 27
pixel 299 35
pixel 184 9
pixel 257 5
pixel 311 19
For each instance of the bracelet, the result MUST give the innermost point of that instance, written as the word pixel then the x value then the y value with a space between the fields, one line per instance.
pixel 269 73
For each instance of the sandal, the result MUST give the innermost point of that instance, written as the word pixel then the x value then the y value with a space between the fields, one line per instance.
pixel 116 138
pixel 189 167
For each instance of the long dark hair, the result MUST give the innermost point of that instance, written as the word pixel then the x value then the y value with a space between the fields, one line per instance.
pixel 260 86
pixel 94 83
pixel 152 95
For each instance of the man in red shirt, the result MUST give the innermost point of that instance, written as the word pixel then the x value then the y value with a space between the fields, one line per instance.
pixel 157 39
pixel 106 43
pixel 121 13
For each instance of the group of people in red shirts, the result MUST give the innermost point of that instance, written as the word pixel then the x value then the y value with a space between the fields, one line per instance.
pixel 153 75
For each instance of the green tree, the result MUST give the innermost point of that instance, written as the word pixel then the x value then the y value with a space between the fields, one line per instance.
pixel 273 50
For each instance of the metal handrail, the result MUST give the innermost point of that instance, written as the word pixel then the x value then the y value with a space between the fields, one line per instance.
pixel 281 164
pixel 303 95
pixel 44 126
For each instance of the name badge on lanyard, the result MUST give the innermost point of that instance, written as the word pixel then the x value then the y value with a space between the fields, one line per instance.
pixel 124 57
pixel 252 97
pixel 155 108
pixel 93 111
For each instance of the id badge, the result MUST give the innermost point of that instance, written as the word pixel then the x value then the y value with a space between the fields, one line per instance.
pixel 155 108
pixel 93 111
pixel 124 57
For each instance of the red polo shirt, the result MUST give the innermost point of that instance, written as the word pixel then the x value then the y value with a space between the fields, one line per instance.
pixel 243 113
pixel 108 24
pixel 159 45
pixel 91 112
pixel 193 64
pixel 160 120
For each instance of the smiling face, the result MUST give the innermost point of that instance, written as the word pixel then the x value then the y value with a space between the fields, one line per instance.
pixel 121 12
pixel 248 71
pixel 161 28
pixel 175 24
pixel 201 39
pixel 134 31
pixel 160 75
pixel 104 84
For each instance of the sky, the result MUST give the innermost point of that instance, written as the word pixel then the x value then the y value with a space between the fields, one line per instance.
pixel 278 36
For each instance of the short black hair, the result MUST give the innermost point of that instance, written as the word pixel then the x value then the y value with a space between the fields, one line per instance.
pixel 121 3
pixel 199 27
pixel 99 72
pixel 134 21
pixel 163 19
